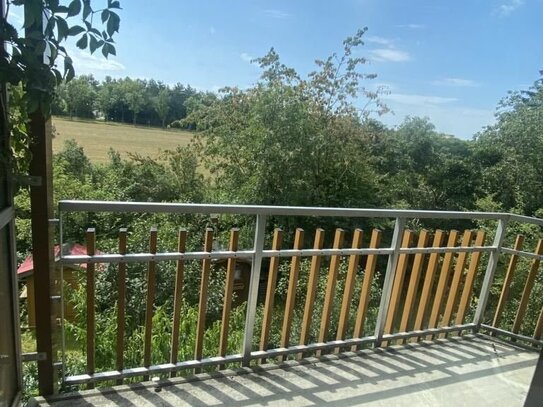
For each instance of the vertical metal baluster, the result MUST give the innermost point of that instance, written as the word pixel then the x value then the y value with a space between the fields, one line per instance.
pixel 490 270
pixel 253 288
pixel 389 280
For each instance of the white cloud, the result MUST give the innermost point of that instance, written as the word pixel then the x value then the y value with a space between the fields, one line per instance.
pixel 506 8
pixel 418 100
pixel 412 26
pixel 444 113
pixel 457 82
pixel 15 18
pixel 374 39
pixel 246 57
pixel 85 63
pixel 279 14
pixel 389 55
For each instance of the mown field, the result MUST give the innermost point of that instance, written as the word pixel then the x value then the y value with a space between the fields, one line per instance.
pixel 98 137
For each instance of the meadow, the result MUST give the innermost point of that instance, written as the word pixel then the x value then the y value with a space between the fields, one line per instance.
pixel 97 138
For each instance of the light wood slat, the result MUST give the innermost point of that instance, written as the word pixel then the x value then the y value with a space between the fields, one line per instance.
pixel 456 279
pixel 151 289
pixel 177 297
pixel 228 292
pixel 270 291
pixel 91 304
pixel 442 282
pixel 365 292
pixel 470 279
pixel 330 288
pixel 121 304
pixel 427 286
pixel 527 289
pixel 398 285
pixel 349 287
pixel 312 284
pixel 291 293
pixel 539 326
pixel 504 296
pixel 202 303
pixel 414 281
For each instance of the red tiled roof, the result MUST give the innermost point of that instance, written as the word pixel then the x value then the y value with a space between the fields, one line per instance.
pixel 27 266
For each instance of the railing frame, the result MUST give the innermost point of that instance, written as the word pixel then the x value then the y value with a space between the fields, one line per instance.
pixel 258 253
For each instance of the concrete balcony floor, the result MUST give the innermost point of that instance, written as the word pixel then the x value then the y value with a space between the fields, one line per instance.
pixel 467 371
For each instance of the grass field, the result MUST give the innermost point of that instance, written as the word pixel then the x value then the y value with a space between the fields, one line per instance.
pixel 97 138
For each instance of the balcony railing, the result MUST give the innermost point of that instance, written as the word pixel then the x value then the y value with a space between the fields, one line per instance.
pixel 441 285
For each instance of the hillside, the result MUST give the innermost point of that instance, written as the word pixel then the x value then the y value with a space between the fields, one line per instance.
pixel 98 137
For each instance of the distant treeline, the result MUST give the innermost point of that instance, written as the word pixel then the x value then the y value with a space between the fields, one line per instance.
pixel 136 101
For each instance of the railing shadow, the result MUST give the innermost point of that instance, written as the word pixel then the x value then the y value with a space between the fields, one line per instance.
pixel 414 371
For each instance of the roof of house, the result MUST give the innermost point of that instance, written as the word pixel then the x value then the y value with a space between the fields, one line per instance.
pixel 27 267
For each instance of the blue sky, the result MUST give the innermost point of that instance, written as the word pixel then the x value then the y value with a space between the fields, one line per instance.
pixel 449 60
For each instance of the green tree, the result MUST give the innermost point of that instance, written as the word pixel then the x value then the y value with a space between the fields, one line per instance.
pixel 134 95
pixel 509 152
pixel 162 105
pixel 79 96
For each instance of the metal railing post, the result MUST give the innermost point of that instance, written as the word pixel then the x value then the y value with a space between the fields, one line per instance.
pixel 489 273
pixel 260 230
pixel 389 280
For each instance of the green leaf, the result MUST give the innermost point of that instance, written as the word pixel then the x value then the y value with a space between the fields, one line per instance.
pixel 112 50
pixel 114 4
pixel 62 27
pixel 113 24
pixel 105 15
pixel 75 30
pixel 95 44
pixel 50 27
pixel 87 9
pixel 70 74
pixel 82 42
pixel 40 47
pixel 74 8
pixel 105 49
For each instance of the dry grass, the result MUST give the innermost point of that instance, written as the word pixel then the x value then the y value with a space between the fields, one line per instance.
pixel 97 138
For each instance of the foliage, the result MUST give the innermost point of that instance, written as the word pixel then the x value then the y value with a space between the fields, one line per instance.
pixel 48 24
pixel 509 152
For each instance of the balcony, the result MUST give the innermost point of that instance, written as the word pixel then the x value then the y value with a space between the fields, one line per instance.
pixel 409 315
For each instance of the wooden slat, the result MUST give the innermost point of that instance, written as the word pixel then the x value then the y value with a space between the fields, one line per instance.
pixel 91 306
pixel 330 288
pixel 414 281
pixel 177 297
pixel 121 304
pixel 470 279
pixel 504 296
pixel 151 288
pixel 202 304
pixel 312 284
pixel 433 262
pixel 442 283
pixel 228 292
pixel 365 292
pixel 291 293
pixel 398 284
pixel 527 289
pixel 270 291
pixel 539 326
pixel 349 287
pixel 455 283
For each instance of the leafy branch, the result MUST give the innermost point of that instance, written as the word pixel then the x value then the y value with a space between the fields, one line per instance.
pixel 34 59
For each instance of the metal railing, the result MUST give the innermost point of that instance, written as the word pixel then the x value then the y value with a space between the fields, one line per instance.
pixel 451 286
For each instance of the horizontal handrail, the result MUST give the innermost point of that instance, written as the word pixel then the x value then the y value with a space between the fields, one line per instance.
pixel 247 254
pixel 186 208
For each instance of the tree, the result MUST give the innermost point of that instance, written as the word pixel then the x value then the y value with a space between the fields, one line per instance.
pixel 79 96
pixel 162 104
pixel 134 95
pixel 288 141
pixel 509 152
